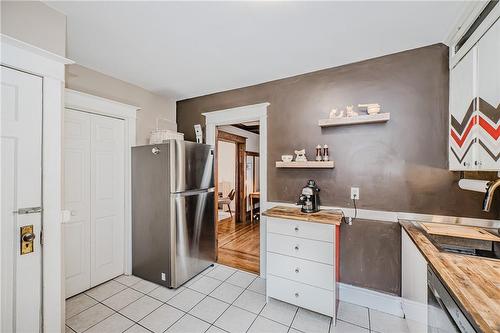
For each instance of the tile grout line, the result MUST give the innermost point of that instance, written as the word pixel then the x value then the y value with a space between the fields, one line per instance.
pixel 205 296
pixel 293 319
pixel 100 321
pixel 259 311
pixel 159 306
pixel 230 304
pixel 369 320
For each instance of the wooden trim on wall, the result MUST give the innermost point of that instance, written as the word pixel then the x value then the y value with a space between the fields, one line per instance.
pixel 240 175
pixel 216 196
pixel 225 136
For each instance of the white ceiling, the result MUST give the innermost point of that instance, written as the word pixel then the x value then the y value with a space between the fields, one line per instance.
pixel 187 49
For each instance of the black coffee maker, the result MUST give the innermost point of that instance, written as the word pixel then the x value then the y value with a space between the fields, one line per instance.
pixel 309 198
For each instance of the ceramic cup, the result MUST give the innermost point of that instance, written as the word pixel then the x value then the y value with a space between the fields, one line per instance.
pixel 286 158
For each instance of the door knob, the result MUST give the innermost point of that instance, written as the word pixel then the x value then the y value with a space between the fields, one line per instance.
pixel 28 237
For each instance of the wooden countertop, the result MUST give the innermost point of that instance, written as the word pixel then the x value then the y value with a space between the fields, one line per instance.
pixel 472 281
pixel 333 217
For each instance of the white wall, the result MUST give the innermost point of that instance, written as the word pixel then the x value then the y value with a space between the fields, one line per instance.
pixel 152 106
pixel 35 23
pixel 226 159
pixel 252 143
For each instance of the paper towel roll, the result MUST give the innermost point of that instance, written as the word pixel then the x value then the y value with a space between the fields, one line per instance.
pixel 473 185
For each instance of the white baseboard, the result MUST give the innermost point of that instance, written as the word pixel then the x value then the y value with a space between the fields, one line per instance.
pixel 371 299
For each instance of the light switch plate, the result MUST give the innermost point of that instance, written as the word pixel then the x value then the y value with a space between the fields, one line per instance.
pixel 355 193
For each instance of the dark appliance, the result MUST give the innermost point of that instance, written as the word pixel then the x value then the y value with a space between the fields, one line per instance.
pixel 309 198
pixel 443 313
pixel 173 213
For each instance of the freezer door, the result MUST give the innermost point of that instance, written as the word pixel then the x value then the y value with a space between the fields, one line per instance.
pixel 194 232
pixel 192 166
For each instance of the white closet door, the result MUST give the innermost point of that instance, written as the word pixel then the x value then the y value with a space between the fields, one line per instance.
pixel 107 198
pixel 76 180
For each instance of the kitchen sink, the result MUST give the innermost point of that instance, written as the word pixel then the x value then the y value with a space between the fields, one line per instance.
pixel 467 246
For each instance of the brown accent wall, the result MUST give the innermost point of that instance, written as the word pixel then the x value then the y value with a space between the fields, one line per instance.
pixel 400 165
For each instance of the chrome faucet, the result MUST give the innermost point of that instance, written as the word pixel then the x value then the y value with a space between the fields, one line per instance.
pixel 490 191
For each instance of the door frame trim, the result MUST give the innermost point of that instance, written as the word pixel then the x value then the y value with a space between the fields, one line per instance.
pixel 79 101
pixel 34 60
pixel 255 112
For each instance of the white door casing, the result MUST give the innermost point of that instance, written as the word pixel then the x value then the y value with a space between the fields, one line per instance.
pixel 50 67
pixel 21 187
pixel 94 179
pixel 76 189
pixel 102 135
pixel 255 112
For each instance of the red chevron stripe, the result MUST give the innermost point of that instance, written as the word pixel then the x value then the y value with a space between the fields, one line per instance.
pixel 495 133
pixel 458 140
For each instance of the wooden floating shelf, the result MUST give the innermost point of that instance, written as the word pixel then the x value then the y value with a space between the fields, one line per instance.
pixel 364 119
pixel 305 165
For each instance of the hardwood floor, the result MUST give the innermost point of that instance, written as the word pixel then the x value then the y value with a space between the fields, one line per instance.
pixel 239 245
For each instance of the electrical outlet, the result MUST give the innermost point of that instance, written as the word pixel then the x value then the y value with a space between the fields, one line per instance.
pixel 163 277
pixel 355 193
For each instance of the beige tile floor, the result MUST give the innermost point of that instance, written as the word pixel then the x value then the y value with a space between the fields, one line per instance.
pixel 220 299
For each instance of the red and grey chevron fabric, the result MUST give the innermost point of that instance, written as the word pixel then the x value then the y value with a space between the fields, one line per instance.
pixel 486 133
pixel 489 128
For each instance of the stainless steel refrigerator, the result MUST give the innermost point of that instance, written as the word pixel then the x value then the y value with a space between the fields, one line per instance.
pixel 173 213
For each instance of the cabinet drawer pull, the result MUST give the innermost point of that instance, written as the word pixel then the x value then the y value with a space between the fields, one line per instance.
pixel 296 247
pixel 296 229
pixel 297 295
pixel 297 270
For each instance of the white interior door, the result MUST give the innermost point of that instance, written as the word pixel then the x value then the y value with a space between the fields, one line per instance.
pixel 21 187
pixel 107 198
pixel 76 185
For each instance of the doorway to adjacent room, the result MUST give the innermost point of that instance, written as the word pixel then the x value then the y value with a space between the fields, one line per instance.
pixel 237 184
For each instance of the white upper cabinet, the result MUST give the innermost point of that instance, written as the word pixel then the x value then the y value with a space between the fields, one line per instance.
pixel 488 93
pixel 462 115
pixel 475 106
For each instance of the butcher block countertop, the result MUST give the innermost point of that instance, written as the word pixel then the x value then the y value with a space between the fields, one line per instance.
pixel 326 216
pixel 473 282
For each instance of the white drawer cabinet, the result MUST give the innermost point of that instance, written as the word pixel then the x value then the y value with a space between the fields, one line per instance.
pixel 413 280
pixel 302 263
pixel 300 270
pixel 300 248
pixel 300 294
pixel 322 232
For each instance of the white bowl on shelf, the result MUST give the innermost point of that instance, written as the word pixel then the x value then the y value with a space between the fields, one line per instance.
pixel 373 110
pixel 287 158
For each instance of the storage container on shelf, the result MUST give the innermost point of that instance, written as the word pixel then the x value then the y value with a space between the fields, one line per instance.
pixel 158 136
